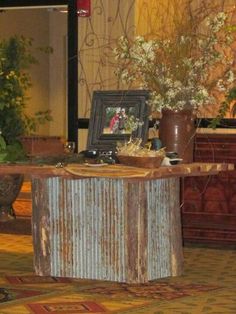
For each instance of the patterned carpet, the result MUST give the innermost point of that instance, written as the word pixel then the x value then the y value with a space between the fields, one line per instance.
pixel 208 285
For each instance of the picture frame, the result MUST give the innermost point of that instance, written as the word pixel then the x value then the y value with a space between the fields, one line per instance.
pixel 103 135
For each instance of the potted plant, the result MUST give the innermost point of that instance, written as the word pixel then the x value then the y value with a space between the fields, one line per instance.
pixel 190 70
pixel 15 60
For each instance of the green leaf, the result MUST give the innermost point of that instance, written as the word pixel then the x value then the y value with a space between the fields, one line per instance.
pixel 3 157
pixel 231 94
pixel 2 143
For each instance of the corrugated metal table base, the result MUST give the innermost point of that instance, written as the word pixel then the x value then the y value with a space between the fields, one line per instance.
pixel 107 229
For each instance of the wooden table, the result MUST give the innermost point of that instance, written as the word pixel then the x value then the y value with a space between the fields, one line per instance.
pixel 113 223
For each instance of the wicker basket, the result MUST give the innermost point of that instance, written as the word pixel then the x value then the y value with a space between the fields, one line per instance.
pixel 141 161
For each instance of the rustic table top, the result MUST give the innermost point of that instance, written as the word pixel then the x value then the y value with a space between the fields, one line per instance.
pixel 117 171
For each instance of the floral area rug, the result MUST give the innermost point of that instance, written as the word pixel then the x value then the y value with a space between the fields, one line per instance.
pixel 155 290
pixel 10 294
pixel 17 280
pixel 142 294
pixel 208 285
pixel 67 308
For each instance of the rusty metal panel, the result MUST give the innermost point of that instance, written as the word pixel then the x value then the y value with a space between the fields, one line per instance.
pixel 163 198
pixel 87 228
pixel 110 229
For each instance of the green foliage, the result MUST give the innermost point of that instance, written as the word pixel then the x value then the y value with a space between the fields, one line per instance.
pixel 16 57
pixel 232 97
pixel 232 94
pixel 225 107
pixel 11 123
pixel 11 152
pixel 31 123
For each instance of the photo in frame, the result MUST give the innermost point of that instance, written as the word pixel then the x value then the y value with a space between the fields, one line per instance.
pixel 110 112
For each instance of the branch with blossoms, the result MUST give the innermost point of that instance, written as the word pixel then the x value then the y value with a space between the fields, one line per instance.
pixel 186 71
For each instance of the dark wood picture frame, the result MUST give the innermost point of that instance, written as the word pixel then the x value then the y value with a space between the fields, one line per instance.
pixel 134 101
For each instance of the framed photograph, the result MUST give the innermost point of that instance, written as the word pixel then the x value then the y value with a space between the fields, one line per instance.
pixel 112 116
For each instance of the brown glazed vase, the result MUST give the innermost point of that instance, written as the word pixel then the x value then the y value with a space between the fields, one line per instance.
pixel 176 132
pixel 10 185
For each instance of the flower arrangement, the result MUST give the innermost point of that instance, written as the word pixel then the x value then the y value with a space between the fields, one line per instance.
pixel 189 70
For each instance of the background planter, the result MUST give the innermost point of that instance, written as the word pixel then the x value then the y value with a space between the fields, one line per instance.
pixel 176 131
pixel 35 146
pixel 42 145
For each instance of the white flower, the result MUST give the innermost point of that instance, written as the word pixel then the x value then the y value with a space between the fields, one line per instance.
pixel 230 76
pixel 179 73
pixel 148 50
pixel 220 86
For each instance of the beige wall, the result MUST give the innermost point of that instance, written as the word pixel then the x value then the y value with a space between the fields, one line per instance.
pixel 47 28
pixel 58 73
pixel 157 17
pixel 160 17
pixel 30 23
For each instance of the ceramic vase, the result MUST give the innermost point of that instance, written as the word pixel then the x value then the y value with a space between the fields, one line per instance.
pixel 10 186
pixel 176 132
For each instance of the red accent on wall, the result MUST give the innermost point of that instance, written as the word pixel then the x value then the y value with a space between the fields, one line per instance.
pixel 83 8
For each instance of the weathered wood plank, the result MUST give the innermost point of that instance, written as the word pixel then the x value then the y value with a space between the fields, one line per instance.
pixel 177 259
pixel 117 170
pixel 41 229
pixel 136 232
